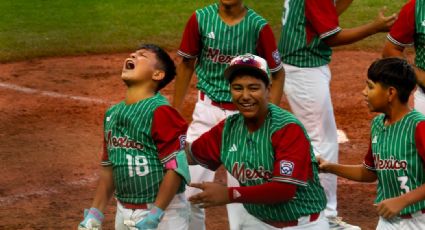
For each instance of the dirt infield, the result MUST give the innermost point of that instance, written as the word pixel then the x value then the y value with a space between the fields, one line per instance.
pixel 51 130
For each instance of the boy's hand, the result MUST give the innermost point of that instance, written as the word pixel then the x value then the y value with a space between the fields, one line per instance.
pixel 322 164
pixel 384 23
pixel 152 220
pixel 390 208
pixel 213 194
pixel 92 219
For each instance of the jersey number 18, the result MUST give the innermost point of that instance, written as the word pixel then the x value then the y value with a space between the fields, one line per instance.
pixel 138 165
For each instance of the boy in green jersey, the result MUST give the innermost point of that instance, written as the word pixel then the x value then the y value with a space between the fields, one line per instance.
pixel 142 162
pixel 396 152
pixel 267 150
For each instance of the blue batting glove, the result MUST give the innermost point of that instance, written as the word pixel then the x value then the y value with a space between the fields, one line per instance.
pixel 92 219
pixel 152 220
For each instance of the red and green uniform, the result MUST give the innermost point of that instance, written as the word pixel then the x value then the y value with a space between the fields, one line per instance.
pixel 409 29
pixel 214 44
pixel 266 155
pixel 139 139
pixel 397 154
pixel 305 24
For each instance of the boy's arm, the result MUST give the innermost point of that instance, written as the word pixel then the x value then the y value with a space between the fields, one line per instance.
pixel 347 36
pixel 390 208
pixel 105 189
pixel 351 172
pixel 189 49
pixel 168 189
pixel 93 217
pixel 185 70
pixel 278 79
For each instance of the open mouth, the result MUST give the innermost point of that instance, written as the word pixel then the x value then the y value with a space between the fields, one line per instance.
pixel 129 64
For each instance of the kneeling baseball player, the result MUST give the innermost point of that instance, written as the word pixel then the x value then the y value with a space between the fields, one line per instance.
pixel 144 164
pixel 267 150
pixel 396 152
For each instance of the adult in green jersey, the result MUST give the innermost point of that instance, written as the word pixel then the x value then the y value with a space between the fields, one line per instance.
pixel 212 37
pixel 396 155
pixel 143 165
pixel 310 29
pixel 408 30
pixel 267 150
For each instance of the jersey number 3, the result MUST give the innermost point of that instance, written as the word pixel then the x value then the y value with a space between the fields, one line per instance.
pixel 403 181
pixel 137 165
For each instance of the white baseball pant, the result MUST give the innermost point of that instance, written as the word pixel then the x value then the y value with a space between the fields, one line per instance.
pixel 205 116
pixel 308 94
pixel 419 100
pixel 250 222
pixel 416 222
pixel 176 215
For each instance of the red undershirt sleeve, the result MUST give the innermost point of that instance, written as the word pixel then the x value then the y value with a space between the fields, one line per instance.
pixel 322 19
pixel 168 131
pixel 266 48
pixel 420 140
pixel 368 160
pixel 267 193
pixel 206 149
pixel 191 41
pixel 403 31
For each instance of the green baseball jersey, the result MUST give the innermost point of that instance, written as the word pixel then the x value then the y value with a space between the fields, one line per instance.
pixel 305 25
pixel 139 139
pixel 409 29
pixel 394 155
pixel 214 43
pixel 420 34
pixel 259 157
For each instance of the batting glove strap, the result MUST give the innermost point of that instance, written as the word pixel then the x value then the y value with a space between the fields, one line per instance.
pixel 151 221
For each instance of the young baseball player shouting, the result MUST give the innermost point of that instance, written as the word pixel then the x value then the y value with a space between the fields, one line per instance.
pixel 409 29
pixel 142 162
pixel 212 37
pixel 310 29
pixel 396 155
pixel 267 150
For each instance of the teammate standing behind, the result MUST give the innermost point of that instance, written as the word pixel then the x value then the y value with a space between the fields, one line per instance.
pixel 268 151
pixel 409 29
pixel 396 155
pixel 212 37
pixel 143 164
pixel 310 29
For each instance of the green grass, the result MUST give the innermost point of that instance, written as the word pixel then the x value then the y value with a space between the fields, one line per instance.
pixel 42 28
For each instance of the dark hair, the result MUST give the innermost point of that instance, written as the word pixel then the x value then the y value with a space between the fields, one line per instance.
pixel 249 72
pixel 394 72
pixel 165 63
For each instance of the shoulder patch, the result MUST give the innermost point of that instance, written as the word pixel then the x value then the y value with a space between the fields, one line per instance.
pixel 276 57
pixel 286 168
pixel 182 139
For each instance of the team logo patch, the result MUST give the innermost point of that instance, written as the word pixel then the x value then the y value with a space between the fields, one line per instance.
pixel 276 57
pixel 423 23
pixel 375 140
pixel 286 168
pixel 182 139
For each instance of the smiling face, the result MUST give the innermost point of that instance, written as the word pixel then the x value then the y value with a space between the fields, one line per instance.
pixel 139 67
pixel 376 96
pixel 250 95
